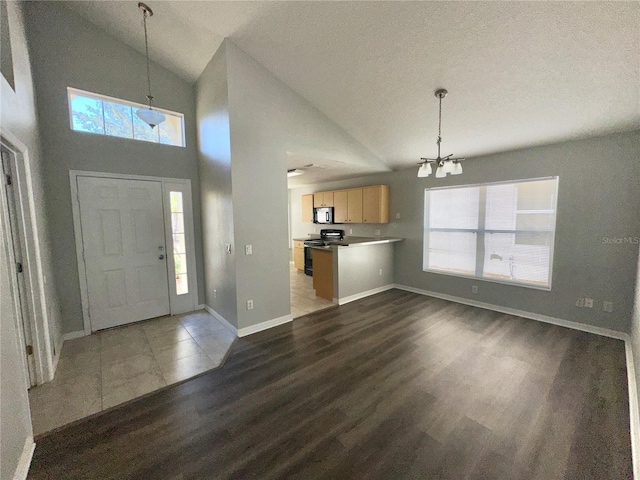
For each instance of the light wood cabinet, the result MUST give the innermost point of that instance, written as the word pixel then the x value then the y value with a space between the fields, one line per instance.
pixel 375 204
pixel 340 208
pixel 298 254
pixel 307 208
pixel 354 205
pixel 323 273
pixel 323 199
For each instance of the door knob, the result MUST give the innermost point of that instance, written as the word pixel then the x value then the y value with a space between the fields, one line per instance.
pixel 161 257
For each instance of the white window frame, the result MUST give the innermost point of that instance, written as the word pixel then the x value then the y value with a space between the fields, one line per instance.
pixel 187 302
pixel 98 96
pixel 482 231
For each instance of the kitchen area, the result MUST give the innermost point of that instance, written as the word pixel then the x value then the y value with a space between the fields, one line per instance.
pixel 331 265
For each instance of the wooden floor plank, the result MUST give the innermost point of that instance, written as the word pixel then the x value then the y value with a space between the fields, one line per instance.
pixel 396 385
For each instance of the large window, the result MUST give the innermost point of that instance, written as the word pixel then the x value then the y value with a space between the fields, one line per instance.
pixel 502 232
pixel 93 113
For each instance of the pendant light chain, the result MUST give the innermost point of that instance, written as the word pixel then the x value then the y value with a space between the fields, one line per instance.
pixel 439 125
pixel 146 48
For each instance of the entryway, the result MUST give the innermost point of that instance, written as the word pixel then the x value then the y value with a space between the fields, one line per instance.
pixel 135 247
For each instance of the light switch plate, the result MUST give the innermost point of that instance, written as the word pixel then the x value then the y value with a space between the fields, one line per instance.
pixel 607 306
pixel 588 302
pixel 248 250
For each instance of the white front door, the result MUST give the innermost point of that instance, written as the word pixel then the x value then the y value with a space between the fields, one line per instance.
pixel 123 238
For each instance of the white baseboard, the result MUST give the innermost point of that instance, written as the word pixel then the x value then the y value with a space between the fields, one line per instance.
pixel 222 320
pixel 358 296
pixel 634 413
pixel 243 332
pixel 22 470
pixel 605 332
pixel 72 335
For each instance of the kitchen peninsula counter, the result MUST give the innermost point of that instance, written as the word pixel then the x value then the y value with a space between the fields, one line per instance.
pixel 353 268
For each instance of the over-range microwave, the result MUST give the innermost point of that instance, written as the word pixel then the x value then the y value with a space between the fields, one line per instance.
pixel 323 215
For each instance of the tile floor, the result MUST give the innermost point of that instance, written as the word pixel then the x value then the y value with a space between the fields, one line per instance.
pixel 116 365
pixel 303 296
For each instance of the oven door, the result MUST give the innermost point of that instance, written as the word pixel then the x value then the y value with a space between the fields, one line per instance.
pixel 308 261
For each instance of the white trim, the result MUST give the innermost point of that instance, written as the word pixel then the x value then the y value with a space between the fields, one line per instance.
pixel 22 469
pixel 222 320
pixel 74 335
pixel 605 332
pixel 38 304
pixel 77 227
pixel 358 296
pixel 634 413
pixel 258 327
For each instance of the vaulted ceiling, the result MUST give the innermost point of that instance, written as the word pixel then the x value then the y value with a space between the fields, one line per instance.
pixel 518 73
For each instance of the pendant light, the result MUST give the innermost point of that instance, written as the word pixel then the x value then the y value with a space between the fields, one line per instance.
pixel 444 166
pixel 148 115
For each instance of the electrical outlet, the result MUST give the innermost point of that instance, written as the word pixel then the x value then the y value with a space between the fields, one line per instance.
pixel 351 231
pixel 607 306
pixel 474 289
pixel 248 249
pixel 588 302
pixel 580 302
pixel 215 293
pixel 380 272
pixel 249 304
pixel 398 216
pixel 377 231
pixel 228 248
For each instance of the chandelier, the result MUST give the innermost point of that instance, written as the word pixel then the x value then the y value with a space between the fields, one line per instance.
pixel 148 115
pixel 445 165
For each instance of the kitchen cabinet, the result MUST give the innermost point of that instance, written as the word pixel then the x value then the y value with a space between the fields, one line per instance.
pixel 375 204
pixel 323 273
pixel 323 199
pixel 340 208
pixel 298 254
pixel 354 205
pixel 307 208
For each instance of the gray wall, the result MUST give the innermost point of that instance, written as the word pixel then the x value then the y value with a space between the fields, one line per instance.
pixel 260 110
pixel 18 116
pixel 214 145
pixel 359 268
pixel 68 51
pixel 598 197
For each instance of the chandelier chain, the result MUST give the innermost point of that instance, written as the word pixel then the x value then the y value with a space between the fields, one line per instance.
pixel 439 125
pixel 146 48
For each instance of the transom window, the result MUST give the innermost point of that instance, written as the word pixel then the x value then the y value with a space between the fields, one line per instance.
pixel 501 232
pixel 94 113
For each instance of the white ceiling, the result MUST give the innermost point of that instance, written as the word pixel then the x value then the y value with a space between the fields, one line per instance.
pixel 519 74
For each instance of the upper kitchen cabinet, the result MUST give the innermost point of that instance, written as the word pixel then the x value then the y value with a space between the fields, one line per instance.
pixel 323 199
pixel 340 207
pixel 375 204
pixel 307 208
pixel 354 205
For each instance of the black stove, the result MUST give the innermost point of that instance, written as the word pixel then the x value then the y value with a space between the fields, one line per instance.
pixel 326 235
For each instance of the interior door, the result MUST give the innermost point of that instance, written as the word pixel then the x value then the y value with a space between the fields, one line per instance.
pixel 124 250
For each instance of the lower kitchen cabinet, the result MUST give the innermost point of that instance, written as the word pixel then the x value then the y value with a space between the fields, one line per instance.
pixel 323 273
pixel 298 255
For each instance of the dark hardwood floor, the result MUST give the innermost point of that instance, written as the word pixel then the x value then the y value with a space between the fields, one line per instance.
pixel 393 386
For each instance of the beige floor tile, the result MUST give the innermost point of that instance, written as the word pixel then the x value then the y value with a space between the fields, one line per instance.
pixel 205 329
pixel 128 348
pixel 120 336
pixel 133 387
pixel 78 346
pixel 196 318
pixel 86 363
pixel 126 368
pixel 159 339
pixel 160 325
pixel 58 403
pixel 186 367
pixel 216 345
pixel 176 351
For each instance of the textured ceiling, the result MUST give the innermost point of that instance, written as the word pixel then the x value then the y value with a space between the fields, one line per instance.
pixel 519 74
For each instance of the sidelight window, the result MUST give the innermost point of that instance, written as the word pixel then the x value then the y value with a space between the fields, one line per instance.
pixel 179 243
pixel 502 232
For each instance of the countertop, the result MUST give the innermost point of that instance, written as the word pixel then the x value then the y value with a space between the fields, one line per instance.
pixel 351 241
